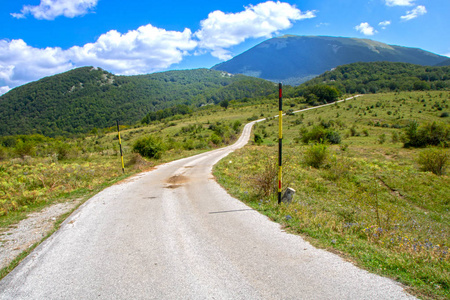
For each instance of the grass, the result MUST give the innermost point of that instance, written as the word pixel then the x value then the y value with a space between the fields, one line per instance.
pixel 369 201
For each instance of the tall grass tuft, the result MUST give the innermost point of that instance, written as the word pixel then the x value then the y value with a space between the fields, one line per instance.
pixel 316 155
pixel 434 160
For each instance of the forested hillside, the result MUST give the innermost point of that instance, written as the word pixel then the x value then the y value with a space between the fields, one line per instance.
pixel 82 99
pixel 362 78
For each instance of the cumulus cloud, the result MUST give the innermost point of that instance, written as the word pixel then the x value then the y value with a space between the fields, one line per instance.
pixel 145 50
pixel 20 63
pixel 365 29
pixel 224 30
pixel 50 9
pixel 400 2
pixel 384 24
pixel 416 12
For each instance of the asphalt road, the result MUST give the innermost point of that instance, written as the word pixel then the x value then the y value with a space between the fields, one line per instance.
pixel 174 233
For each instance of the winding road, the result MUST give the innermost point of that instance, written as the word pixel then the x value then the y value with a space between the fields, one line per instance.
pixel 174 233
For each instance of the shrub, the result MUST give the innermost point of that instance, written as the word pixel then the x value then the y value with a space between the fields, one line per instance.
pixel 320 134
pixel 23 149
pixel 444 114
pixel 150 147
pixel 316 155
pixel 236 126
pixel 258 139
pixel 62 150
pixel 217 140
pixel 333 137
pixel 434 160
pixel 382 138
pixel 265 181
pixel 430 134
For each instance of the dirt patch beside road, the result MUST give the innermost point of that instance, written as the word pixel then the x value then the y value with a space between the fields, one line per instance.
pixel 19 237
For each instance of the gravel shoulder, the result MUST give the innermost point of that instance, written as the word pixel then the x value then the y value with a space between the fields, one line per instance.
pixel 23 235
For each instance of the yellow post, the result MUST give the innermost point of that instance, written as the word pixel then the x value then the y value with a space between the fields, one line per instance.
pixel 120 145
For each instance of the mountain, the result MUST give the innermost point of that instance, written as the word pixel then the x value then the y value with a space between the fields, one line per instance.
pixel 444 63
pixel 85 98
pixel 295 59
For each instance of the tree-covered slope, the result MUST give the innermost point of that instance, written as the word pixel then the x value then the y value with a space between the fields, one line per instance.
pixel 376 77
pixel 82 99
pixel 296 59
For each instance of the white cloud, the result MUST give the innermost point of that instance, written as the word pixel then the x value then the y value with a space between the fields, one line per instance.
pixel 223 30
pixel 365 29
pixel 416 12
pixel 400 2
pixel 145 50
pixel 384 24
pixel 4 89
pixel 322 24
pixel 20 63
pixel 50 9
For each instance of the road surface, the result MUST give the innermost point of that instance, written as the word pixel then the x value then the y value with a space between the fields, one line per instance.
pixel 174 233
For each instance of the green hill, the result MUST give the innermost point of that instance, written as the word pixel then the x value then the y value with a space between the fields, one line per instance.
pixel 85 98
pixel 374 77
pixel 296 59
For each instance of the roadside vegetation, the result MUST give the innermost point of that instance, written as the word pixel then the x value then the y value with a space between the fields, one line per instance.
pixel 371 181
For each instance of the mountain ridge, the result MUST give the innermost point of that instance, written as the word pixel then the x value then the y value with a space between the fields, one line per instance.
pixel 296 59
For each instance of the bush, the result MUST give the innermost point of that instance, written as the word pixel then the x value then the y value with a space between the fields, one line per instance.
pixel 434 160
pixel 236 126
pixel 430 134
pixel 217 140
pixel 265 181
pixel 62 150
pixel 444 114
pixel 23 149
pixel 258 139
pixel 150 147
pixel 316 155
pixel 319 134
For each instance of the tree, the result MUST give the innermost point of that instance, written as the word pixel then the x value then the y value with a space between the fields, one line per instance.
pixel 224 104
pixel 321 93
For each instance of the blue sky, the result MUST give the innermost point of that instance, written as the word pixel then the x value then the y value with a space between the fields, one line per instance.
pixel 39 38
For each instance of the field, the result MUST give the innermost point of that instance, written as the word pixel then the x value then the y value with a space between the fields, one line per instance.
pixel 368 199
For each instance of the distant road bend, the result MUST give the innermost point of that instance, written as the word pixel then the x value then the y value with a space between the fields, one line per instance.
pixel 174 233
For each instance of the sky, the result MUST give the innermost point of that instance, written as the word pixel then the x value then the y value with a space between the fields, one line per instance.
pixel 39 38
